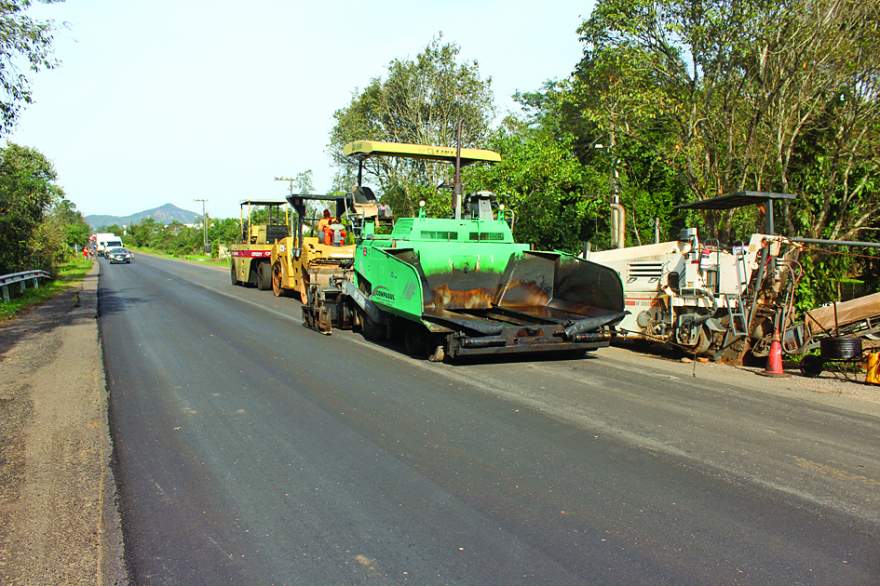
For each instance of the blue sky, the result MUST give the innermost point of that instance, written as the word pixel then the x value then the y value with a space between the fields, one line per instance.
pixel 165 101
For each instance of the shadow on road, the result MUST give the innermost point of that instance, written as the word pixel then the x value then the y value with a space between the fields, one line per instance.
pixel 396 345
pixel 117 300
pixel 561 356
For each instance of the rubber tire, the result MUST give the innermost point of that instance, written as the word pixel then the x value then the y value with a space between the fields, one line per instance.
pixel 812 366
pixel 415 340
pixel 277 289
pixel 372 331
pixel 842 348
pixel 264 277
pixel 304 289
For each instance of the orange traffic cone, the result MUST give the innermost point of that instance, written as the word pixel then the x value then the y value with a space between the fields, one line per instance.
pixel 774 359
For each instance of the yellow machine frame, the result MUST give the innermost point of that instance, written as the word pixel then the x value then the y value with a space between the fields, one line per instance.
pixel 251 256
pixel 295 266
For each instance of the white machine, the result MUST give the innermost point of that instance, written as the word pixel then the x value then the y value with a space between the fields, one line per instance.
pixel 714 300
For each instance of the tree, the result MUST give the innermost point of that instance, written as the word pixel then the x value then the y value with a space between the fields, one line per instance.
pixel 420 101
pixel 27 190
pixel 52 241
pixel 73 225
pixel 112 229
pixel 751 86
pixel 23 40
pixel 224 231
pixel 146 233
pixel 551 194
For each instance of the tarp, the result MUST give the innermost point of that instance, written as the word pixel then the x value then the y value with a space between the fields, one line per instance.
pixel 821 319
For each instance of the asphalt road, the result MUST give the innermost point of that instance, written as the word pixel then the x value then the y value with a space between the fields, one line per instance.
pixel 251 450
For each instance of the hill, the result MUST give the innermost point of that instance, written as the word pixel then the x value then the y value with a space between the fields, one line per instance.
pixel 165 214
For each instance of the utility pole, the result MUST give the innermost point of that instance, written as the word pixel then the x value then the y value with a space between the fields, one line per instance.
pixel 618 213
pixel 207 248
pixel 290 180
pixel 456 184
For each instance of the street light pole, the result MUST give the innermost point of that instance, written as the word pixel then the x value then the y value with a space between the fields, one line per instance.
pixel 204 226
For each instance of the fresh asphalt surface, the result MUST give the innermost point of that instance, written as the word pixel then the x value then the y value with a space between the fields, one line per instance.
pixel 251 450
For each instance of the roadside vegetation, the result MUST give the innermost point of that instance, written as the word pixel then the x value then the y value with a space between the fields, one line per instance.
pixel 672 101
pixel 39 227
pixel 66 275
pixel 194 258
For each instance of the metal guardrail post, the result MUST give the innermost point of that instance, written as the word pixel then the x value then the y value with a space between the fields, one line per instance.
pixel 21 278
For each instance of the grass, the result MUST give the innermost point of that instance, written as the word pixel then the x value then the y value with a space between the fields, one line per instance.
pixel 67 275
pixel 202 259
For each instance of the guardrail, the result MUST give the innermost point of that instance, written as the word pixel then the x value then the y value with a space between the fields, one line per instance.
pixel 22 279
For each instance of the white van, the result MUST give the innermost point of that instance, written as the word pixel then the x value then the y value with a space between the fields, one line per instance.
pixel 106 241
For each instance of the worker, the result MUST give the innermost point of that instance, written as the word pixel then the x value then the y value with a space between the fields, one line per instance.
pixel 334 233
pixel 338 233
pixel 325 221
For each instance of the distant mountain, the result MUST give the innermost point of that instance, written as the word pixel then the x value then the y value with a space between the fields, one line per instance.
pixel 165 214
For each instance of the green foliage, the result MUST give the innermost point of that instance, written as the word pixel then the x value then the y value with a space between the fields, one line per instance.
pixel 420 101
pixel 23 41
pixel 112 229
pixel 66 276
pixel 37 225
pixel 672 101
pixel 62 228
pixel 177 239
pixel 821 281
pixel 553 197
pixel 73 225
pixel 750 95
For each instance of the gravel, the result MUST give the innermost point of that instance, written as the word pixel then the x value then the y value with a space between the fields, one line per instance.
pixel 59 522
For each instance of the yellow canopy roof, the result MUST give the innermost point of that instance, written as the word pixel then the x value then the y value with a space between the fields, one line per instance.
pixel 370 148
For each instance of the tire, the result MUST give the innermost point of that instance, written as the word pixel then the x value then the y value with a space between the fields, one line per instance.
pixel 277 274
pixel 371 330
pixel 232 276
pixel 812 366
pixel 841 348
pixel 264 277
pixel 304 289
pixel 415 340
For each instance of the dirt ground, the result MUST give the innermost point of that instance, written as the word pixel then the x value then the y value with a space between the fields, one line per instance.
pixel 846 390
pixel 59 523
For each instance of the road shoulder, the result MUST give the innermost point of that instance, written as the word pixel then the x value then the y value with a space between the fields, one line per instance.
pixel 59 521
pixel 195 263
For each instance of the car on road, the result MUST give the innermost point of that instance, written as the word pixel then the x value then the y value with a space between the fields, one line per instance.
pixel 119 255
